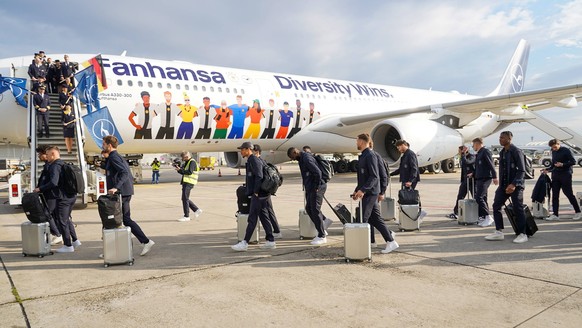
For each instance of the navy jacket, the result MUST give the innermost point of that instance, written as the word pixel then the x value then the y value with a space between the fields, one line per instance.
pixel 118 174
pixel 310 172
pixel 562 155
pixel 368 177
pixel 467 165
pixel 49 182
pixel 37 71
pixel 383 172
pixel 511 167
pixel 408 168
pixel 541 189
pixel 484 165
pixel 41 101
pixel 254 176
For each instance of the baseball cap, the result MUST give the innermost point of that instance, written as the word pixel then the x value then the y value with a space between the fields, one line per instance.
pixel 246 144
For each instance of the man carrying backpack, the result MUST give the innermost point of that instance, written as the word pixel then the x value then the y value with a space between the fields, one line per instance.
pixel 315 188
pixel 259 200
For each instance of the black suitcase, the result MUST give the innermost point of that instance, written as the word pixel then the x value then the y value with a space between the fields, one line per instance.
pixel 341 211
pixel 35 207
pixel 109 207
pixel 530 224
pixel 243 200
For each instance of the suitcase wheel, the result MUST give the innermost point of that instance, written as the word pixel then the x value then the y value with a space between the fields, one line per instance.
pixel 301 237
pixel 130 263
pixel 40 256
pixel 106 265
pixel 347 260
pixel 25 255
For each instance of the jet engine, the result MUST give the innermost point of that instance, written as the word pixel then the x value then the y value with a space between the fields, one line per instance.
pixel 234 158
pixel 431 141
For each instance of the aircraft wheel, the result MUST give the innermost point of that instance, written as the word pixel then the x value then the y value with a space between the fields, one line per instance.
pixel 435 168
pixel 547 163
pixel 354 165
pixel 448 165
pixel 342 167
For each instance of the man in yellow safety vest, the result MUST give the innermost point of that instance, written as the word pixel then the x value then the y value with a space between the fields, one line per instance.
pixel 189 171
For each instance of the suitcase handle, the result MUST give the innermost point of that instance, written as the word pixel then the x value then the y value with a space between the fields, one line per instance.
pixel 352 209
pixel 470 195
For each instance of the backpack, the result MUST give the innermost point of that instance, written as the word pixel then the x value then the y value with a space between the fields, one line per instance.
pixel 71 181
pixel 325 167
pixel 272 179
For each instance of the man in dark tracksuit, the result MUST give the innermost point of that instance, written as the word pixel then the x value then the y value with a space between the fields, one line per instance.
pixel 315 189
pixel 383 172
pixel 484 173
pixel 119 179
pixel 467 165
pixel 62 204
pixel 368 189
pixel 271 212
pixel 561 168
pixel 511 184
pixel 51 203
pixel 408 169
pixel 259 200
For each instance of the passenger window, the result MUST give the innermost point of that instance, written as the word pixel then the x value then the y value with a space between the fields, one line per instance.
pixel 130 83
pixel 211 89
pixel 195 88
pixel 203 88
pixel 177 87
pixel 219 89
pixel 119 82
pixel 140 84
pixel 169 86
pixel 159 85
pixel 187 87
pixel 150 85
pixel 227 90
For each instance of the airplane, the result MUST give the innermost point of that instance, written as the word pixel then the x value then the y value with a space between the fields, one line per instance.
pixel 327 114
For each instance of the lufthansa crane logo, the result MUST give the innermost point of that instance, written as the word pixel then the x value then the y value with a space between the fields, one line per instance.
pixel 102 128
pixel 517 78
pixel 10 82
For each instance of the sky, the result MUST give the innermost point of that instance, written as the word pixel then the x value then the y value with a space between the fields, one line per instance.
pixel 443 45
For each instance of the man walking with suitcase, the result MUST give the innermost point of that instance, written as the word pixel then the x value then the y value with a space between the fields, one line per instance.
pixel 511 184
pixel 368 189
pixel 272 217
pixel 467 164
pixel 119 179
pixel 259 200
pixel 484 173
pixel 315 189
pixel 189 171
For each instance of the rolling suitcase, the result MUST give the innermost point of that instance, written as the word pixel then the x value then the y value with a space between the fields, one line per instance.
pixel 117 246
pixel 530 224
pixel 388 205
pixel 306 226
pixel 36 239
pixel 468 208
pixel 538 210
pixel 35 207
pixel 408 217
pixel 241 223
pixel 341 211
pixel 357 241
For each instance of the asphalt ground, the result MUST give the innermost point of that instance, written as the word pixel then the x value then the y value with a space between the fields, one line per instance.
pixel 444 275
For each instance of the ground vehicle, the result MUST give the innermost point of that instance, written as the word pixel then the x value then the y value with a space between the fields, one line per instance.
pixel 207 162
pixel 546 159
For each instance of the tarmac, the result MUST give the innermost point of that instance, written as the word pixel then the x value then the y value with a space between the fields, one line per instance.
pixel 445 275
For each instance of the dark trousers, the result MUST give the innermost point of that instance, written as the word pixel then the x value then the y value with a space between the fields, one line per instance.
pixel 481 187
pixel 517 200
pixel 273 217
pixel 203 133
pixel 187 204
pixel 143 134
pixel 54 227
pixel 64 207
pixel 258 211
pixel 128 222
pixel 268 133
pixel 42 120
pixel 371 214
pixel 563 180
pixel 165 133
pixel 463 190
pixel 313 201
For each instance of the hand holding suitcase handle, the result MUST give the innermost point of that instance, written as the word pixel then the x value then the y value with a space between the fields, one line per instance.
pixel 355 219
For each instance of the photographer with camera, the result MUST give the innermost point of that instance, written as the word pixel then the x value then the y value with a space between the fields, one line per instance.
pixel 189 171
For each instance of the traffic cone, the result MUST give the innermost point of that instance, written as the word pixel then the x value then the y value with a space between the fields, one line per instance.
pixel 219 173
pixel 238 171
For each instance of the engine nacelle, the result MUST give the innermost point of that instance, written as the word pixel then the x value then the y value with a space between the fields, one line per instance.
pixel 234 158
pixel 431 141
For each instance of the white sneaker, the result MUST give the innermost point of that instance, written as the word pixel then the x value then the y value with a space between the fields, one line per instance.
pixel 325 231
pixel 184 219
pixel 327 223
pixel 497 235
pixel 373 245
pixel 277 235
pixel 147 247
pixel 65 249
pixel 319 241
pixel 198 212
pixel 242 246
pixel 390 247
pixel 268 245
pixel 522 238
pixel 481 219
pixel 487 222
pixel 57 240
pixel 577 216
pixel 77 243
pixel 553 218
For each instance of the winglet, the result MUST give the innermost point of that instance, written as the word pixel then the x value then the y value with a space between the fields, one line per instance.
pixel 514 77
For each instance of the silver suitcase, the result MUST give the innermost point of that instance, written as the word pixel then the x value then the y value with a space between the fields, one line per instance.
pixel 468 211
pixel 117 246
pixel 241 223
pixel 408 217
pixel 538 211
pixel 36 239
pixel 357 241
pixel 388 209
pixel 306 226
